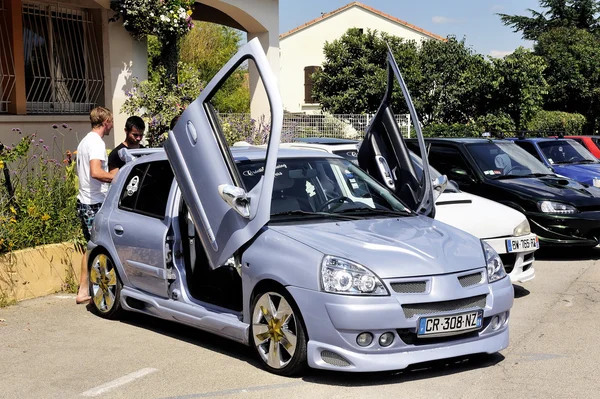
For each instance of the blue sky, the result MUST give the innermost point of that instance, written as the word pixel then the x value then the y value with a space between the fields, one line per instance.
pixel 476 20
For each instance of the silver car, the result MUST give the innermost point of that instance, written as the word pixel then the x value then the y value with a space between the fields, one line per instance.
pixel 265 247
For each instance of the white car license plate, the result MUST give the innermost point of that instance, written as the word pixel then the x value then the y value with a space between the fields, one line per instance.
pixel 522 244
pixel 449 325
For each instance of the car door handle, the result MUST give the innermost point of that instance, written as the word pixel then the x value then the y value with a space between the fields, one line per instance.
pixel 118 229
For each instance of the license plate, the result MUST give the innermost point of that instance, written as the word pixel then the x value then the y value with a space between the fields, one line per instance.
pixel 449 325
pixel 522 244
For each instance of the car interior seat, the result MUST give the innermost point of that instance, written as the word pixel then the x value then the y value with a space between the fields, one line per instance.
pixel 502 161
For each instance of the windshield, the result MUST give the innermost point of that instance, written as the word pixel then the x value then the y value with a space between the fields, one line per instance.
pixel 324 186
pixel 499 160
pixel 566 151
pixel 418 165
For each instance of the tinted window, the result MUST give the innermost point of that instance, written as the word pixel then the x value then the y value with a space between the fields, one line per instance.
pixel 498 159
pixel 529 147
pixel 147 189
pixel 566 151
pixel 445 159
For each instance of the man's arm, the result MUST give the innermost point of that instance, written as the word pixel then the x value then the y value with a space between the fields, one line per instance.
pixel 98 173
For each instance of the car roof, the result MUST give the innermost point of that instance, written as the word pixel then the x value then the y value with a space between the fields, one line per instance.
pixel 325 140
pixel 254 153
pixel 541 139
pixel 463 140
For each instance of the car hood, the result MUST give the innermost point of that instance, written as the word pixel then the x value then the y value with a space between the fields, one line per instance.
pixel 551 188
pixel 581 172
pixel 393 247
pixel 476 215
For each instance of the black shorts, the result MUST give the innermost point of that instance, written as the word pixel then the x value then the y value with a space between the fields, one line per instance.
pixel 86 214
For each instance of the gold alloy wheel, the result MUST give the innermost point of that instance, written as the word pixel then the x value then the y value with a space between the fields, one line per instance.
pixel 103 279
pixel 274 330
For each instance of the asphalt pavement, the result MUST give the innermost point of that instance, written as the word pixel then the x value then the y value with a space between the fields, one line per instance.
pixel 52 348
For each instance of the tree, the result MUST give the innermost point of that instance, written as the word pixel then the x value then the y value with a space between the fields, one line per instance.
pixel 207 48
pixel 580 14
pixel 353 78
pixel 573 72
pixel 454 82
pixel 520 86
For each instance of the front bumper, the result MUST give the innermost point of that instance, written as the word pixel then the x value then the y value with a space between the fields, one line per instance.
pixel 580 229
pixel 334 321
pixel 518 265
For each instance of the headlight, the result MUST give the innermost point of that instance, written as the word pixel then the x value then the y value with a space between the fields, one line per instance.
pixel 556 207
pixel 342 276
pixel 522 229
pixel 495 267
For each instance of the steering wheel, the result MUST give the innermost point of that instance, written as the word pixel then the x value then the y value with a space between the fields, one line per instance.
pixel 341 199
pixel 516 167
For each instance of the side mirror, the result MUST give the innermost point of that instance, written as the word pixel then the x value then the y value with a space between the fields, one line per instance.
pixel 439 185
pixel 461 175
pixel 237 199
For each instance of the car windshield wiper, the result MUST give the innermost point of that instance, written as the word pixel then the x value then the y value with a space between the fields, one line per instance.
pixel 324 215
pixel 538 174
pixel 505 177
pixel 374 211
pixel 586 161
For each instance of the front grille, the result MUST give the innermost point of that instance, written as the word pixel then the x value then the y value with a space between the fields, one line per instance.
pixel 470 280
pixel 334 359
pixel 410 287
pixel 509 261
pixel 411 310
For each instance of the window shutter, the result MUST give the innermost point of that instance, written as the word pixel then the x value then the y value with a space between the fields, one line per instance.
pixel 308 83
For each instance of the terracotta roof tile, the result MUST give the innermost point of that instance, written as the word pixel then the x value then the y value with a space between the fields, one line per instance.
pixel 356 3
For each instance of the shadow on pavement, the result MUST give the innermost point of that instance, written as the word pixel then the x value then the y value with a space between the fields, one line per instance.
pixel 568 253
pixel 191 335
pixel 238 351
pixel 415 372
pixel 520 291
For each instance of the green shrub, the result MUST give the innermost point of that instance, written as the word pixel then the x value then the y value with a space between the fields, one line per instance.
pixel 40 207
pixel 557 122
pixel 451 130
pixel 496 124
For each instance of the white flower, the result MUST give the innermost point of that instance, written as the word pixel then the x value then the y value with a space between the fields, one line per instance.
pixel 151 14
pixel 163 18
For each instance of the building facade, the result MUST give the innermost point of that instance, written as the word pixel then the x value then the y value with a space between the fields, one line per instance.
pixel 58 60
pixel 301 49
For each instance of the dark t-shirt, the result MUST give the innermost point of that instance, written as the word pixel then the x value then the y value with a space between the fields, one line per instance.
pixel 113 158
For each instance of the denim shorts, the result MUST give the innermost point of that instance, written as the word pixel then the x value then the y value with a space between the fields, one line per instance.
pixel 86 214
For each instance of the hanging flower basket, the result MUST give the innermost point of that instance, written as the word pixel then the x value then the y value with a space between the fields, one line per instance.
pixel 163 18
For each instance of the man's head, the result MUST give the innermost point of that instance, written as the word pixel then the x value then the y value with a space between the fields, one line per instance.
pixel 134 131
pixel 102 120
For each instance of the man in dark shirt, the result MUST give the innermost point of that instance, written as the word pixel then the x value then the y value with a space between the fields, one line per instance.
pixel 134 132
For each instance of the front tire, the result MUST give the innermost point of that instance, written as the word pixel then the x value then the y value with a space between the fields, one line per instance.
pixel 105 287
pixel 277 332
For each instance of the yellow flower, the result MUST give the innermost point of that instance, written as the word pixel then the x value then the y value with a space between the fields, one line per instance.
pixel 31 210
pixel 45 217
pixel 13 220
pixel 189 12
pixel 12 209
pixel 1 164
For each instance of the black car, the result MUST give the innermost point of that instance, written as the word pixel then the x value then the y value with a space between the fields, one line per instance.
pixel 560 210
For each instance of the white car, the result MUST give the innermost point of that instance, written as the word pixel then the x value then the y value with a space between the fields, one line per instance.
pixel 505 229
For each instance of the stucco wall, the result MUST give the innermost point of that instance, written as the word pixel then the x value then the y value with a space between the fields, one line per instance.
pixel 305 48
pixel 38 271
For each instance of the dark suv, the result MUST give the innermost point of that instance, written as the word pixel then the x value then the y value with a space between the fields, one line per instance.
pixel 560 210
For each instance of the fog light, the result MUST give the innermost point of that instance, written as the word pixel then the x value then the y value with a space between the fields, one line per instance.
pixel 386 339
pixel 495 322
pixel 364 339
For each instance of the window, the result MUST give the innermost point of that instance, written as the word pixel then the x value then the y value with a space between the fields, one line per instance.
pixel 308 83
pixel 147 189
pixel 7 65
pixel 63 66
pixel 445 159
pixel 529 147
